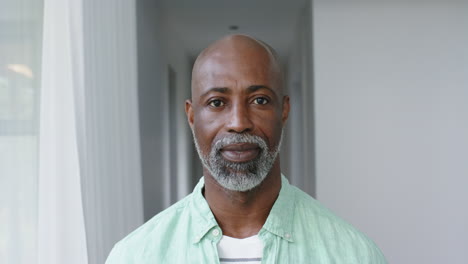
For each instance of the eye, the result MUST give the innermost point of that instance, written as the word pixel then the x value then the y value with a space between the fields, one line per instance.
pixel 260 101
pixel 216 103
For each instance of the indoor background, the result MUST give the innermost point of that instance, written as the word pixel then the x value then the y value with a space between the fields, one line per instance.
pixel 94 139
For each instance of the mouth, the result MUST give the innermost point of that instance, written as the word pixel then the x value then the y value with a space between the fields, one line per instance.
pixel 240 152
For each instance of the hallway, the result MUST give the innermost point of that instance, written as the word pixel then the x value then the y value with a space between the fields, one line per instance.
pixel 366 134
pixel 166 54
pixel 94 139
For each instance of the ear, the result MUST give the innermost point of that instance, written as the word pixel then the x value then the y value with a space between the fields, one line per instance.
pixel 286 108
pixel 189 112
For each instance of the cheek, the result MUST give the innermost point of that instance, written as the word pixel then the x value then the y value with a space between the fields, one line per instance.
pixel 205 130
pixel 270 126
pixel 276 135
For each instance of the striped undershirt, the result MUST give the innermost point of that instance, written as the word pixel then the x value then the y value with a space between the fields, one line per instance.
pixel 240 251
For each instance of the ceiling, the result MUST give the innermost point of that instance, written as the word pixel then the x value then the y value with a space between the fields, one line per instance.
pixel 198 23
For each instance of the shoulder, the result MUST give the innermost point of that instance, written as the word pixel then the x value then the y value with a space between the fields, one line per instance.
pixel 331 234
pixel 166 219
pixel 158 229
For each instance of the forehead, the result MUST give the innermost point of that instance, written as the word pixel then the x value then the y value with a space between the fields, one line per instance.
pixel 241 66
pixel 224 68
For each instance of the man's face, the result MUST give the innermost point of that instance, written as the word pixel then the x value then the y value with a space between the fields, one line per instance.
pixel 237 115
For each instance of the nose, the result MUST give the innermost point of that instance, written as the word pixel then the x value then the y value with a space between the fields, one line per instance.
pixel 239 121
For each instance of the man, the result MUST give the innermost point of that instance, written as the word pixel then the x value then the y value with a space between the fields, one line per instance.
pixel 243 210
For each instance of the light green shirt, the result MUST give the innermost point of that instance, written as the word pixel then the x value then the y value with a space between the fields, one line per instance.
pixel 298 230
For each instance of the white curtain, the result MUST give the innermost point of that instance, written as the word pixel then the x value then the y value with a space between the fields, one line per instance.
pixel 90 173
pixel 61 227
pixel 70 176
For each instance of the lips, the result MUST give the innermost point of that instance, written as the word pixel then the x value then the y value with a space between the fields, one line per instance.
pixel 240 152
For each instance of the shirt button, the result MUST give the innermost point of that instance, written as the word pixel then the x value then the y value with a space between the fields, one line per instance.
pixel 287 235
pixel 215 232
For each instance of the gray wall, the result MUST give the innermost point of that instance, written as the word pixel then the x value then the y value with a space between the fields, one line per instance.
pixel 391 86
pixel 298 151
pixel 152 108
pixel 166 148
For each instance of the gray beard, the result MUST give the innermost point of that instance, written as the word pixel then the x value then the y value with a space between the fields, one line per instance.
pixel 239 176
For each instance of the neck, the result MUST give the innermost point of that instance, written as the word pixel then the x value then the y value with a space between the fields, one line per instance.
pixel 242 214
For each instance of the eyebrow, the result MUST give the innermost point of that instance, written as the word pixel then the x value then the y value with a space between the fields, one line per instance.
pixel 254 88
pixel 225 90
pixel 217 90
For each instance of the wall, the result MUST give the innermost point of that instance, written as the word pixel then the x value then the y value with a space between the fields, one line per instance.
pixel 152 104
pixel 298 151
pixel 181 137
pixel 165 136
pixel 391 86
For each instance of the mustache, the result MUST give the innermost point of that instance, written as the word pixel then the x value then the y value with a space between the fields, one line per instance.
pixel 238 139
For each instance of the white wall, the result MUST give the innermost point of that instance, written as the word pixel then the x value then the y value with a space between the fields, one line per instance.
pixel 391 86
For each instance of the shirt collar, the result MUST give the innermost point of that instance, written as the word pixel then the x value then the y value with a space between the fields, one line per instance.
pixel 279 221
pixel 203 218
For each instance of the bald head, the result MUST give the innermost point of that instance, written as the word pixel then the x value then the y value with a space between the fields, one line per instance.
pixel 238 51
